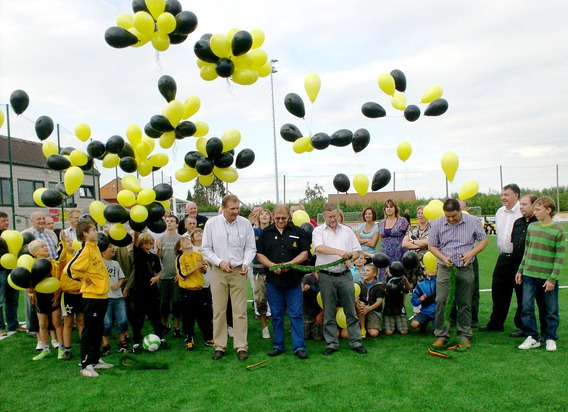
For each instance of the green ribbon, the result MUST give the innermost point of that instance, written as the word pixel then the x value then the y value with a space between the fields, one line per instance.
pixel 451 294
pixel 302 268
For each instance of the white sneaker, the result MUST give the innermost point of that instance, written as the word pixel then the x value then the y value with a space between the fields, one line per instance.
pixel 529 343
pixel 550 345
pixel 54 344
pixel 103 365
pixel 39 346
pixel 265 333
pixel 89 372
pixel 230 331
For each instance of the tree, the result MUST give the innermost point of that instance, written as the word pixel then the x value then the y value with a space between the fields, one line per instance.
pixel 189 197
pixel 314 199
pixel 209 195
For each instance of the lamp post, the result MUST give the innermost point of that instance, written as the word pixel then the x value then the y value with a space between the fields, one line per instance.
pixel 274 128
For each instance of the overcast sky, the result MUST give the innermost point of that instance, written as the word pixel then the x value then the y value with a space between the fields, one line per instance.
pixel 502 66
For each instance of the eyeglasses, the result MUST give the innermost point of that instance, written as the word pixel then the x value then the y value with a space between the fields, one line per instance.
pixel 281 218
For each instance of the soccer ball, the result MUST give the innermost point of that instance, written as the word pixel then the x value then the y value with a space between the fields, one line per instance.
pixel 151 342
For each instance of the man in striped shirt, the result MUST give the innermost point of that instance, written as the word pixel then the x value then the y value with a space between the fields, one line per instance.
pixel 455 239
pixel 539 271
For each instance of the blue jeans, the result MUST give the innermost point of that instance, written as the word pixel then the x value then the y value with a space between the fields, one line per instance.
pixel 532 287
pixel 279 299
pixel 8 303
pixel 116 311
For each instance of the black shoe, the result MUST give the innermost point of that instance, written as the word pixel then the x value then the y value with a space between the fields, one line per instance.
pixel 218 355
pixel 105 351
pixel 301 354
pixel 517 334
pixel 177 333
pixel 242 355
pixel 136 349
pixel 490 329
pixel 474 325
pixel 163 344
pixel 275 352
pixel 360 349
pixel 329 351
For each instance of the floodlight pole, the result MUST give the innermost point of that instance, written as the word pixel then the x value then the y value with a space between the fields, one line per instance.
pixel 10 168
pixel 272 71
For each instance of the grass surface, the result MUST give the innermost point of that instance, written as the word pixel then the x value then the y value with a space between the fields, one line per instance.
pixel 397 374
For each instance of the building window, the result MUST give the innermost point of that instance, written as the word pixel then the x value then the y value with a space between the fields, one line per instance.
pixel 69 201
pixel 26 189
pixel 87 192
pixel 5 199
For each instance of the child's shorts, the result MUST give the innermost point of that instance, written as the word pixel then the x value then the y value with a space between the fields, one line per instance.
pixel 71 303
pixel 311 329
pixel 44 303
pixel 397 322
pixel 422 319
pixel 373 320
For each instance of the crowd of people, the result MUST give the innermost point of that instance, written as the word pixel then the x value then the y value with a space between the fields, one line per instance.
pixel 325 278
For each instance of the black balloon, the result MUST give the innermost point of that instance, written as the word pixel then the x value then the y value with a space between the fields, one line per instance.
pixel 437 108
pixel 58 162
pixel 43 127
pixel 381 178
pixel 244 159
pixel 341 182
pixel 341 138
pixel 399 80
pixel 67 150
pixel 60 187
pixel 125 241
pixel 361 139
pixel 295 105
pixel 19 100
pixel 373 110
pixel 4 245
pixel 128 164
pixel 381 260
pixel 192 157
pixel 185 129
pixel 41 269
pixel 173 7
pixel 241 43
pixel 186 22
pixel 114 144
pixel 214 147
pixel 163 191
pixel 202 50
pixel 103 240
pixel 139 5
pixel 127 151
pixel 96 149
pixel 115 213
pixel 167 87
pixel 52 198
pixel 119 38
pixel 151 132
pixel 290 133
pixel 308 229
pixel 224 160
pixel 396 269
pixel 155 211
pixel 136 226
pixel 21 277
pixel 320 141
pixel 410 260
pixel 224 67
pixel 28 237
pixel 411 112
pixel 87 166
pixel 157 226
pixel 204 166
pixel 394 286
pixel 177 38
pixel 161 124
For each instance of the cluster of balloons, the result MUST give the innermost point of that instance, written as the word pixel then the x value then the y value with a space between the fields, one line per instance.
pixel 381 178
pixel 394 85
pixel 162 22
pixel 395 285
pixel 320 141
pixel 172 123
pixel 215 157
pixel 235 55
pixel 340 318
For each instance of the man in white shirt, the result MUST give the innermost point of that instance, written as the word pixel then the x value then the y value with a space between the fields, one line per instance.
pixel 73 218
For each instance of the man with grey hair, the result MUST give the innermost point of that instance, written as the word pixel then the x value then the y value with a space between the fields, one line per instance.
pixel 191 210
pixel 73 217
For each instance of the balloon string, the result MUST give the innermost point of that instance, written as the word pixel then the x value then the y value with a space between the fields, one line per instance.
pixel 158 61
pixel 406 174
pixel 229 86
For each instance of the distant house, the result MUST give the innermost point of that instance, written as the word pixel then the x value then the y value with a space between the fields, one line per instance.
pixel 30 172
pixel 110 190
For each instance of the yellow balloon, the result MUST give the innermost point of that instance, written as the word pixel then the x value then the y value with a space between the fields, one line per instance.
pixel 259 57
pixel 201 63
pixel 146 196
pixel 469 189
pixel 318 298
pixel 77 245
pixel 191 106
pixel 78 158
pixel 231 139
pixel 404 150
pixel 37 196
pixel 166 23
pixel 83 131
pixel 14 286
pixel 143 149
pixel 138 213
pixel 73 179
pixel 26 261
pixel 201 128
pixel 301 145
pixel 96 210
pixel 432 93
pixel 131 183
pixel 361 184
pixel 257 38
pixel 398 100
pixel 1 118
pixel 48 285
pixel 150 141
pixel 166 203
pixel 357 289
pixel 299 217
pixel 200 145
pixel 49 148
pixel 208 72
pixel 143 22
pixel 386 83
pixel 156 7
pixel 433 210
pixel 159 160
pixel 340 318
pixel 227 174
pixel 174 112
pixel 126 198
pixel 265 69
pixel 111 160
pixel 231 33
pixel 206 180
pixel 125 21
pixel 244 76
pixel 220 45
pixel 244 61
pixel 14 240
pixel 185 175
pixel 144 167
pixel 429 261
pixel 167 140
pixel 9 260
pixel 143 38
pixel 160 41
pixel 450 163
pixel 134 134
pixel 117 231
pixel 312 84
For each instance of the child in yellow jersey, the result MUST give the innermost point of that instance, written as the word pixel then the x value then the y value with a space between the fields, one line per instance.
pixel 190 267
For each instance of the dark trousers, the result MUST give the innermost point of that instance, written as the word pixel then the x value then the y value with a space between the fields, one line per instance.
pixel 196 306
pixel 502 288
pixel 8 303
pixel 94 312
pixel 169 298
pixel 146 302
pixel 474 298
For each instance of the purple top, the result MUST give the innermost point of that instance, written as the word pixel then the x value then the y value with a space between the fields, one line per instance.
pixel 391 241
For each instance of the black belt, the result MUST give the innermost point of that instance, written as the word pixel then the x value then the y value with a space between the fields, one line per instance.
pixel 505 254
pixel 334 273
